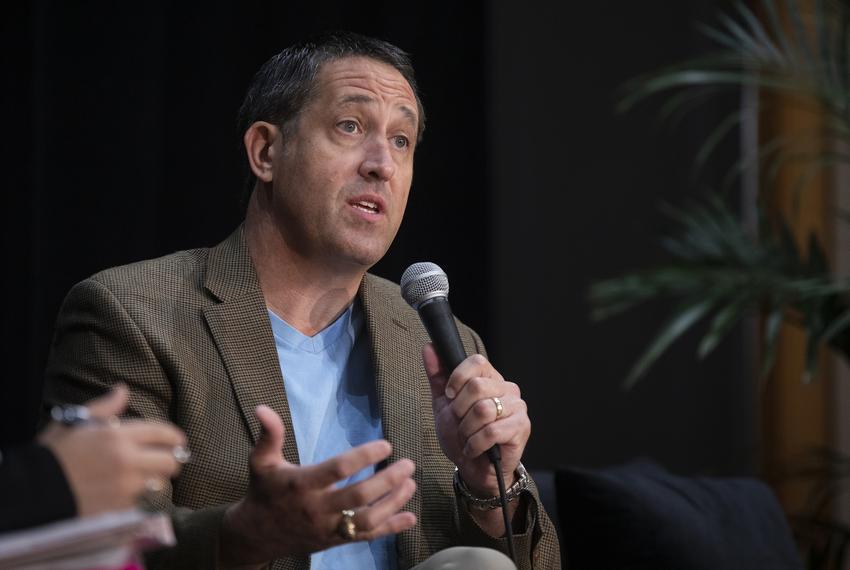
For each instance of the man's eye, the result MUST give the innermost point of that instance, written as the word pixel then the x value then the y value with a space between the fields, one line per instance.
pixel 401 141
pixel 348 126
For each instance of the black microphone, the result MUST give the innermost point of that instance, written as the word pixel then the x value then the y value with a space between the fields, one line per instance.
pixel 425 287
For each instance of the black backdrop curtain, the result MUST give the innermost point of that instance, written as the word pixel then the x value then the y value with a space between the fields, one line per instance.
pixel 119 144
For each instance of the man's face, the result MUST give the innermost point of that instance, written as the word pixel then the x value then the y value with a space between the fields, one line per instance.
pixel 342 179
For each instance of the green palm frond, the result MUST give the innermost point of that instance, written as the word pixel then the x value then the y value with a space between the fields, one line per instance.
pixel 718 270
pixel 719 273
pixel 807 59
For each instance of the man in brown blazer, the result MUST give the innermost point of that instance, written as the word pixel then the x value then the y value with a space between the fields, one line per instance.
pixel 330 129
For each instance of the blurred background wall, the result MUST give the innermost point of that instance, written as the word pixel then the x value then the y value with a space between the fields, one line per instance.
pixel 119 144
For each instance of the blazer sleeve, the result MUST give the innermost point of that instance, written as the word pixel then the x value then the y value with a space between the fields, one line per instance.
pixel 96 345
pixel 538 546
pixel 33 488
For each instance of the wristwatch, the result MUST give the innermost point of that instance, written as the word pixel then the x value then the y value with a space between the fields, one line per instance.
pixel 521 483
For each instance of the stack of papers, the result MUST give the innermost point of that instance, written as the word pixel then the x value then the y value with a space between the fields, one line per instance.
pixel 112 541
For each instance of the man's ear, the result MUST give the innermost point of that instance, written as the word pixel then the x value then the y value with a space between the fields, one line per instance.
pixel 260 145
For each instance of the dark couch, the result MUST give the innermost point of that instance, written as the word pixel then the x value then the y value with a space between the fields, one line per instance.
pixel 641 517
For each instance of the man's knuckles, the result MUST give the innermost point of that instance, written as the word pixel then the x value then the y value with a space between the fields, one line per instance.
pixel 478 361
pixel 340 467
pixel 374 517
pixel 382 483
pixel 484 409
pixel 520 408
pixel 360 495
pixel 475 389
pixel 491 432
pixel 475 365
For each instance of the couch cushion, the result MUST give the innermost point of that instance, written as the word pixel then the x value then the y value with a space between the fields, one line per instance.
pixel 639 516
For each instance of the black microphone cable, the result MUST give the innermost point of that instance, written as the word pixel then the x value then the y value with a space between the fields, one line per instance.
pixel 495 456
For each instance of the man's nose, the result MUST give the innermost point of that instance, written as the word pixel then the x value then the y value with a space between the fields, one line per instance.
pixel 378 164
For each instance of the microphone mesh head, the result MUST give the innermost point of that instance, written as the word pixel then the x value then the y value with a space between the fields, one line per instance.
pixel 423 281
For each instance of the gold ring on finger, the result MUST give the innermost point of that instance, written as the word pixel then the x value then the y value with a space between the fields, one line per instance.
pixel 499 407
pixel 347 529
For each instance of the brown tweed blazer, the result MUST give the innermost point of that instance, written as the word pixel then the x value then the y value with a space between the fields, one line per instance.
pixel 189 334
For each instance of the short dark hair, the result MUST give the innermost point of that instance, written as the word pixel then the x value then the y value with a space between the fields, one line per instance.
pixel 282 87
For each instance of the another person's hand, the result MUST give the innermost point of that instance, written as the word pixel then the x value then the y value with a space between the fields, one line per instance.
pixel 294 510
pixel 109 464
pixel 469 421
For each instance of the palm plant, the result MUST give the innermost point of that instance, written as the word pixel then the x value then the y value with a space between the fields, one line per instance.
pixel 718 271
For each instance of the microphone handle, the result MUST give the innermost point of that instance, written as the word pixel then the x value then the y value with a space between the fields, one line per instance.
pixel 436 315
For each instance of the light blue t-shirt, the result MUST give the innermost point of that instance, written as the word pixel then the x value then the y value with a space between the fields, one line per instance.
pixel 330 387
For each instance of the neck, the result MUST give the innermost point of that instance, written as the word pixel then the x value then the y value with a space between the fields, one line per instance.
pixel 306 293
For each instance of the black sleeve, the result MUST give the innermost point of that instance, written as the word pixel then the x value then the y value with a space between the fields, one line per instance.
pixel 33 488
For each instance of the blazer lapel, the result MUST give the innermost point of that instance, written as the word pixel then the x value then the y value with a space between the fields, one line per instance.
pixel 398 392
pixel 240 327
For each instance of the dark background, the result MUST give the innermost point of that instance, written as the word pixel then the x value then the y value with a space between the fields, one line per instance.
pixel 119 144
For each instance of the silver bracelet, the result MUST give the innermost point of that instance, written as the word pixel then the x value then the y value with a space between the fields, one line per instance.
pixel 521 482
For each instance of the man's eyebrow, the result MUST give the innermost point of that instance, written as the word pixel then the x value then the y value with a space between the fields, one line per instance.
pixel 409 113
pixel 412 117
pixel 357 99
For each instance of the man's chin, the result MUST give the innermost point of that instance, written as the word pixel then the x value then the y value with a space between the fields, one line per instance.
pixel 362 258
pixel 364 251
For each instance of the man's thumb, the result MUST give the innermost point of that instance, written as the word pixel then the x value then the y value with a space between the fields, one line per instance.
pixel 268 451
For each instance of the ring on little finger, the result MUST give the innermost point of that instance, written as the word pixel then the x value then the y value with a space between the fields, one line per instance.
pixel 347 529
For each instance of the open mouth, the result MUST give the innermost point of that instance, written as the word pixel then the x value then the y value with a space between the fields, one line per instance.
pixel 367 206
